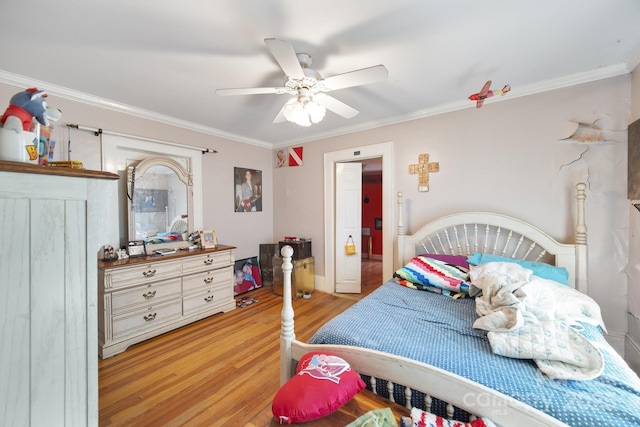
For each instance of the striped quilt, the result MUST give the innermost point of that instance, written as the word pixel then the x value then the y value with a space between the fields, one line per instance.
pixel 428 274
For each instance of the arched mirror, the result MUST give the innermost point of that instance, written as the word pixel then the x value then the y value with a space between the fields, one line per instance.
pixel 160 192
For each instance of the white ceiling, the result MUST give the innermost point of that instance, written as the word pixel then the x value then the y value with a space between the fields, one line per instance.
pixel 164 59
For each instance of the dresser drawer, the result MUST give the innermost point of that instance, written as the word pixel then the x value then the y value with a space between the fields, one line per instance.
pixel 144 295
pixel 144 273
pixel 207 279
pixel 207 262
pixel 148 318
pixel 209 299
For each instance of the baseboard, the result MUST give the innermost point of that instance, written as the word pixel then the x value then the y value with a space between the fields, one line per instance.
pixel 321 285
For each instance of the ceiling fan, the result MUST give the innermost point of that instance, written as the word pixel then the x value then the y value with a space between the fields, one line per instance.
pixel 309 89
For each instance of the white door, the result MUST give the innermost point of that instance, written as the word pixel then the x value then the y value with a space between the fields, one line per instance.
pixel 348 226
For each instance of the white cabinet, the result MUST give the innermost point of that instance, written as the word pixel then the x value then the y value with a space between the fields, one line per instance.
pixel 51 222
pixel 140 298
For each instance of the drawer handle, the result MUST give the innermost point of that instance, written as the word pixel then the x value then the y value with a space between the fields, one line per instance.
pixel 208 261
pixel 149 273
pixel 209 298
pixel 149 295
pixel 208 280
pixel 150 317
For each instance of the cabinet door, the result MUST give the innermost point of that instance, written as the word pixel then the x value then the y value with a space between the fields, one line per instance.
pixel 44 343
pixel 14 313
pixel 51 226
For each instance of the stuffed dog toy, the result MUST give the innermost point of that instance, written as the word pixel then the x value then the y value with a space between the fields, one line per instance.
pixel 26 105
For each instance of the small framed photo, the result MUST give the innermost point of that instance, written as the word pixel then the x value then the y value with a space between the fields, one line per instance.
pixel 208 239
pixel 136 248
pixel 378 224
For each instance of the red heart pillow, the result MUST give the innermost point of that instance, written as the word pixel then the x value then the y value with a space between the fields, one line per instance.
pixel 322 384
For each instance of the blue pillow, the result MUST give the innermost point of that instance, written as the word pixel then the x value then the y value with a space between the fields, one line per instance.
pixel 540 269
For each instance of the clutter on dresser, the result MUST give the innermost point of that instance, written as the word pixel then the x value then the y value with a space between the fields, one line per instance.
pixel 137 248
pixel 165 251
pixel 208 239
pixel 122 253
pixel 109 253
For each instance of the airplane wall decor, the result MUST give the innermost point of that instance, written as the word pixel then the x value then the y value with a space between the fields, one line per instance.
pixel 486 92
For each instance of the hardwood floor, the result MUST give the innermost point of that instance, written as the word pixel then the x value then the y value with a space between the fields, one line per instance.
pixel 220 371
pixel 371 275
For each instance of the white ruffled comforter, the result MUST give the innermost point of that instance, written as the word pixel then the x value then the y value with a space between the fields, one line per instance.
pixel 533 318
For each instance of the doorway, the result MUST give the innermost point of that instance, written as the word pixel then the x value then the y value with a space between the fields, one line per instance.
pixel 385 152
pixel 372 219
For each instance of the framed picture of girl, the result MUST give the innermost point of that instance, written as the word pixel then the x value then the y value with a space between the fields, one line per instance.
pixel 248 190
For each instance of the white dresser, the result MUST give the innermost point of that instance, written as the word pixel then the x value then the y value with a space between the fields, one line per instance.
pixel 140 298
pixel 52 226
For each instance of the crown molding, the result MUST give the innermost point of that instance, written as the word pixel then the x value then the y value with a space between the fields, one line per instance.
pixel 84 98
pixel 634 59
pixel 518 91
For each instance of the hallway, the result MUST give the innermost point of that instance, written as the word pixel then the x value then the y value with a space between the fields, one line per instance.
pixel 371 275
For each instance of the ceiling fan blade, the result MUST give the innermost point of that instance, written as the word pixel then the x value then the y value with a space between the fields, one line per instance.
pixel 338 107
pixel 283 52
pixel 356 78
pixel 250 91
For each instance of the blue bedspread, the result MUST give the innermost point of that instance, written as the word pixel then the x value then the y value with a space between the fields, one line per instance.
pixel 437 330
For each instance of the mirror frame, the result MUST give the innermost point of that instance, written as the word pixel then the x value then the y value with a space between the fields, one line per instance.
pixel 135 171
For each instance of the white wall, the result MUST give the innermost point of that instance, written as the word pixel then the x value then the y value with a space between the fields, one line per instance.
pixel 244 230
pixel 504 157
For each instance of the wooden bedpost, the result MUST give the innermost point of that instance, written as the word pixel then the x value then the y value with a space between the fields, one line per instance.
pixel 582 282
pixel 287 334
pixel 400 260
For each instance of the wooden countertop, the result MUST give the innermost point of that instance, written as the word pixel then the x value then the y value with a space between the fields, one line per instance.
pixel 55 170
pixel 180 253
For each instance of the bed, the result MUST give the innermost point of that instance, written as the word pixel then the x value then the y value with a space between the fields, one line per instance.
pixel 457 374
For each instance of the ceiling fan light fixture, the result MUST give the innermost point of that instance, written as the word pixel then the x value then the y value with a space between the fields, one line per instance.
pixel 303 111
pixel 316 111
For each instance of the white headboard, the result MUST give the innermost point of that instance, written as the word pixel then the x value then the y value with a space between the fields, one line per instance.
pixel 492 233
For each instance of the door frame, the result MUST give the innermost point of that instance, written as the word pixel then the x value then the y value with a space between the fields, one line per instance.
pixel 384 150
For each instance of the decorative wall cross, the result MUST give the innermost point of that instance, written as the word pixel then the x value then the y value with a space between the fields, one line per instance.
pixel 422 169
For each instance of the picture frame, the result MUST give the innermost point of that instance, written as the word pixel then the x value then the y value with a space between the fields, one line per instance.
pixel 247 190
pixel 208 239
pixel 246 275
pixel 137 248
pixel 282 158
pixel 378 224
